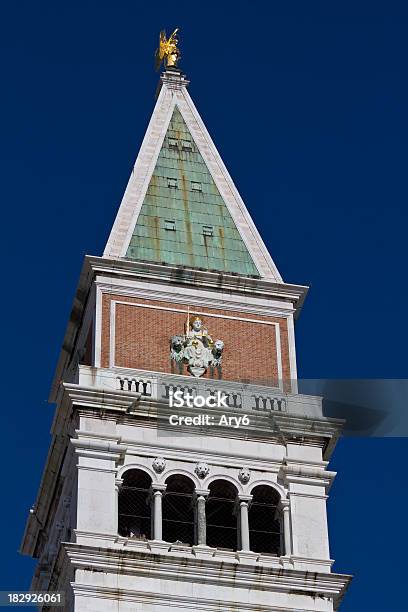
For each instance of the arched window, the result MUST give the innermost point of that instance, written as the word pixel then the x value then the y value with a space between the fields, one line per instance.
pixel 264 524
pixel 221 517
pixel 178 510
pixel 133 505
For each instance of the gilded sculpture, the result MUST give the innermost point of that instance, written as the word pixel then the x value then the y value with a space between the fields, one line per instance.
pixel 168 52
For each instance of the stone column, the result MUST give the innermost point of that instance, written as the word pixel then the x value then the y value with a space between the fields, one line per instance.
pixel 285 509
pixel 200 495
pixel 243 501
pixel 157 494
pixel 118 486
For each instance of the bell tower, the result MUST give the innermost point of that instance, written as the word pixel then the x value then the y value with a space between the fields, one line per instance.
pixel 185 471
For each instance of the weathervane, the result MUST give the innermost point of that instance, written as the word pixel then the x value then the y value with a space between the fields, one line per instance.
pixel 167 52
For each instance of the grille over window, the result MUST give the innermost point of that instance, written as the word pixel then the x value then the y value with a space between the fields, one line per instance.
pixel 264 522
pixel 221 515
pixel 133 505
pixel 178 511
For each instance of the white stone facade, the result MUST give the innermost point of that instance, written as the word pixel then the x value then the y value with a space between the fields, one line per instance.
pixel 112 432
pixel 110 421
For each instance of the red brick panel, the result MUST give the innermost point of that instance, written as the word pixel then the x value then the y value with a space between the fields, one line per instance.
pixel 142 339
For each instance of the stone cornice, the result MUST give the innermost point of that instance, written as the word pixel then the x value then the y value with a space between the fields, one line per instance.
pixel 98 449
pixel 182 276
pixel 92 397
pixel 303 474
pixel 85 444
pixel 207 571
pixel 270 426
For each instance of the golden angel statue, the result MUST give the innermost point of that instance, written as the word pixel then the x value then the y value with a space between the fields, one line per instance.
pixel 167 52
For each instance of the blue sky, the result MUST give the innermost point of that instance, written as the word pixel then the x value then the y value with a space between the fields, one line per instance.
pixel 307 104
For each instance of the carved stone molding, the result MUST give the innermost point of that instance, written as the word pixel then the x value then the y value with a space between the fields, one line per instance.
pixel 159 465
pixel 118 484
pixel 244 475
pixel 202 470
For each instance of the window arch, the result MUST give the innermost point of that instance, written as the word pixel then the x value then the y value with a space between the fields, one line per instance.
pixel 221 515
pixel 264 524
pixel 133 505
pixel 178 510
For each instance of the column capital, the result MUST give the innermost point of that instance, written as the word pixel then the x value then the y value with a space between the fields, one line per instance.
pixel 244 498
pixel 201 493
pixel 157 487
pixel 283 505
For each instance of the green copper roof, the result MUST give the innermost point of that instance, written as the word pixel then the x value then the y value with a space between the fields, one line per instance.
pixel 183 219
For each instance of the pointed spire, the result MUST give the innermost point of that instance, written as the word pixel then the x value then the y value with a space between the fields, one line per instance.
pixel 181 206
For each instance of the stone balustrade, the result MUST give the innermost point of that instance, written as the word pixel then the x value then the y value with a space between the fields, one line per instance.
pixel 239 396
